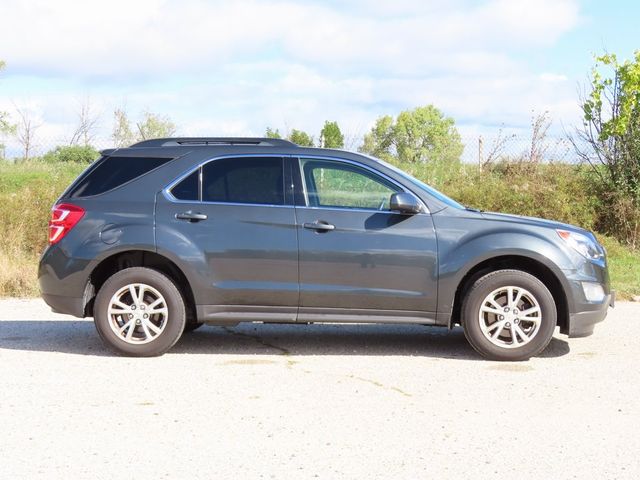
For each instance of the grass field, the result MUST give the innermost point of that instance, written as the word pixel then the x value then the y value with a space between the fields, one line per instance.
pixel 27 191
pixel 624 268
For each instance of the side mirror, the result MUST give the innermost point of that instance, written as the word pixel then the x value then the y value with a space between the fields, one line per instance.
pixel 405 202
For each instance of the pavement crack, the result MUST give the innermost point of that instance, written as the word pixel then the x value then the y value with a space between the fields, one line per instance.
pixel 379 385
pixel 257 339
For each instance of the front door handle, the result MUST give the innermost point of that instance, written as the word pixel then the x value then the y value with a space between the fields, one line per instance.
pixel 191 216
pixel 319 226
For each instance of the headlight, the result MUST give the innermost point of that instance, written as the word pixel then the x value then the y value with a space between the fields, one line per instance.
pixel 582 244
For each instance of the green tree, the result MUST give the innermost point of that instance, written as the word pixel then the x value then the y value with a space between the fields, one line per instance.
pixel 380 141
pixel 6 127
pixel 71 153
pixel 423 134
pixel 609 141
pixel 271 133
pixel 301 138
pixel 331 136
pixel 155 126
pixel 152 126
pixel 122 134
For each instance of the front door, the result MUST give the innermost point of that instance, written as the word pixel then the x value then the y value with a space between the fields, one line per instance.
pixel 355 254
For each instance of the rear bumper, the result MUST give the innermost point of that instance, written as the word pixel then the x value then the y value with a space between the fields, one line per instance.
pixel 582 324
pixel 64 284
pixel 66 305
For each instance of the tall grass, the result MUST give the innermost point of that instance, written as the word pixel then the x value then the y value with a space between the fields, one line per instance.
pixel 14 176
pixel 27 192
pixel 555 191
pixel 624 268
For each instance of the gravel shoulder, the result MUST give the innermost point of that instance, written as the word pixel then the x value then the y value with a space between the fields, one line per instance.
pixel 319 401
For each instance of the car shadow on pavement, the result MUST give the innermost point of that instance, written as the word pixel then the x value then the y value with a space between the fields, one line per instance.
pixel 80 338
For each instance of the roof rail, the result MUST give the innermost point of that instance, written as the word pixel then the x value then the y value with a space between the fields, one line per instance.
pixel 196 141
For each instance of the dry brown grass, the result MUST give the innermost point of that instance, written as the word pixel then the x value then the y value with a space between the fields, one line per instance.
pixel 18 275
pixel 27 192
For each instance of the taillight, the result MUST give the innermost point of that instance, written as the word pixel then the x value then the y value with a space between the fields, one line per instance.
pixel 63 218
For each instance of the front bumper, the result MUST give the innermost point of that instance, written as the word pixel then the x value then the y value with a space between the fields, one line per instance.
pixel 581 324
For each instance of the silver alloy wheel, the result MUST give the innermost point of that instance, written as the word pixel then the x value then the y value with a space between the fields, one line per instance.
pixel 510 317
pixel 138 313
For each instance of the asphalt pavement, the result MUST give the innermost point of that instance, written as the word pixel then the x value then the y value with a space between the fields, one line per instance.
pixel 315 401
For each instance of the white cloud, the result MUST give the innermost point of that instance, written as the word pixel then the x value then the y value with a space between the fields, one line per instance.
pixel 151 37
pixel 553 77
pixel 225 67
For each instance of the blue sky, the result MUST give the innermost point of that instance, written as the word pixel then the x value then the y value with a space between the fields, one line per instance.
pixel 233 68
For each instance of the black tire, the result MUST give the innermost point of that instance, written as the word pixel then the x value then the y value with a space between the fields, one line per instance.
pixel 471 321
pixel 192 325
pixel 173 324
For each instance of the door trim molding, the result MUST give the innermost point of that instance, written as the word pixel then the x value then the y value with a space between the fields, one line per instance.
pixel 354 315
pixel 233 314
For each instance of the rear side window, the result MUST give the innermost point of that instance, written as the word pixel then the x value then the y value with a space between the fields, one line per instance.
pixel 111 172
pixel 244 180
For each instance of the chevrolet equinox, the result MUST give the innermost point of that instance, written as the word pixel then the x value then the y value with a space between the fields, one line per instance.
pixel 169 234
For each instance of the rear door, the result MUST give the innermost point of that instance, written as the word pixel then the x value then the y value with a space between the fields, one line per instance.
pixel 357 256
pixel 232 224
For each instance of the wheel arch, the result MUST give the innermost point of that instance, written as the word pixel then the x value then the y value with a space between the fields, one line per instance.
pixel 137 258
pixel 514 262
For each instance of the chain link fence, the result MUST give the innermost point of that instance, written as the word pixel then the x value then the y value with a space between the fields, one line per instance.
pixel 492 148
pixel 12 150
pixel 480 149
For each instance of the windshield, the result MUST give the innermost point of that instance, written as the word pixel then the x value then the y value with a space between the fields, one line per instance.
pixel 423 186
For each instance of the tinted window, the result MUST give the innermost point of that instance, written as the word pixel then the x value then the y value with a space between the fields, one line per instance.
pixel 188 188
pixel 244 180
pixel 111 172
pixel 337 184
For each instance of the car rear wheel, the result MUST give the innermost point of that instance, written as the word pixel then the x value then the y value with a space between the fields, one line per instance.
pixel 509 315
pixel 192 325
pixel 139 312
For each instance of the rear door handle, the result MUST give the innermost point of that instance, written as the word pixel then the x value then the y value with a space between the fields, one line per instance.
pixel 191 216
pixel 319 226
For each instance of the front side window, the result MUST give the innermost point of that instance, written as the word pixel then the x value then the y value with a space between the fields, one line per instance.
pixel 244 180
pixel 330 183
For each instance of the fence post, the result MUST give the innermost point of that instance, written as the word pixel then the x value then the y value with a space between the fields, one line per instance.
pixel 480 145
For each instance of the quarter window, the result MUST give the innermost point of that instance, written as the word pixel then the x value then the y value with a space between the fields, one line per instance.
pixel 337 184
pixel 188 189
pixel 109 173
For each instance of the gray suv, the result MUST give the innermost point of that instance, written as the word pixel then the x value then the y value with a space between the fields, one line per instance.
pixel 166 235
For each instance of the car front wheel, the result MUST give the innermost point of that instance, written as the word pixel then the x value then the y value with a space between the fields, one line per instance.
pixel 509 315
pixel 139 312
